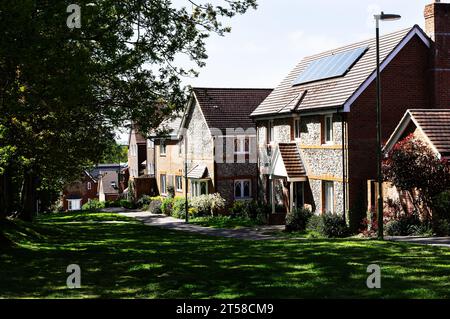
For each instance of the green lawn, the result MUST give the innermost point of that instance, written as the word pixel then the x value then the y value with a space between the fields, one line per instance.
pixel 223 222
pixel 127 260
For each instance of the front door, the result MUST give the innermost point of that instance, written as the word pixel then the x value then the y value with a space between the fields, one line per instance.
pixel 299 195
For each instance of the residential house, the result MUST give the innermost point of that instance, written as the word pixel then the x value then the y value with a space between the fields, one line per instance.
pixel 168 159
pixel 79 192
pixel 141 170
pixel 137 153
pixel 317 130
pixel 220 142
pixel 432 127
pixel 108 176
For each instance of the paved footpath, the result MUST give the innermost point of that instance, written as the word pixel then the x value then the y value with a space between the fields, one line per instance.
pixel 259 233
pixel 432 241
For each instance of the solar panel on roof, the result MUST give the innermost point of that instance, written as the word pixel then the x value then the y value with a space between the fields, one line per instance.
pixel 332 66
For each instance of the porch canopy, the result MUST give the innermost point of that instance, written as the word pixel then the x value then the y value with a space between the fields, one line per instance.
pixel 199 171
pixel 287 163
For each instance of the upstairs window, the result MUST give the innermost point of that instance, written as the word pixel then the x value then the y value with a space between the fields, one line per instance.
pixel 270 132
pixel 242 145
pixel 296 128
pixel 89 186
pixel 328 129
pixel 162 148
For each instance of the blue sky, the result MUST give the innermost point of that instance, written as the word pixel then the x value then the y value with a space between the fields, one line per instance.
pixel 265 44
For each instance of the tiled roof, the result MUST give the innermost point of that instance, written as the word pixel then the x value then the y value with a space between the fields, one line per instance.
pixel 335 92
pixel 198 172
pixel 229 108
pixel 171 126
pixel 292 160
pixel 106 179
pixel 436 126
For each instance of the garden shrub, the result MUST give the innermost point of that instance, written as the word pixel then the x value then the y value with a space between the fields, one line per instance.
pixel 328 225
pixel 408 225
pixel 144 201
pixel 193 212
pixel 239 208
pixel 171 191
pixel 315 225
pixel 334 226
pixel 297 219
pixel 93 205
pixel 251 209
pixel 166 205
pixel 208 204
pixel 155 206
pixel 179 208
pixel 127 204
pixel 441 214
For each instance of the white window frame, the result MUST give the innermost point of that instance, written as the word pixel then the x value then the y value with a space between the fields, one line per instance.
pixel 328 189
pixel 163 183
pixel 89 186
pixel 179 179
pixel 161 147
pixel 70 204
pixel 297 128
pixel 270 132
pixel 242 143
pixel 328 130
pixel 242 181
pixel 196 187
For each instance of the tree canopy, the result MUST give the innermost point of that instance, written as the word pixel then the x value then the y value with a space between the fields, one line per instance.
pixel 64 90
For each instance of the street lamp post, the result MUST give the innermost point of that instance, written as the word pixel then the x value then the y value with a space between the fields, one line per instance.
pixel 378 18
pixel 186 205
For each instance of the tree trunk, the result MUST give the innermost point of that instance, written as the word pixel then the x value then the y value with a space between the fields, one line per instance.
pixel 5 194
pixel 28 197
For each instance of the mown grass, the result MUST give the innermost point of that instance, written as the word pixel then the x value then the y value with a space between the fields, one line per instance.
pixel 125 259
pixel 223 222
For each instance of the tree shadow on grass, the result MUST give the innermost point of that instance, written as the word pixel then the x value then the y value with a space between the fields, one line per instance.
pixel 133 260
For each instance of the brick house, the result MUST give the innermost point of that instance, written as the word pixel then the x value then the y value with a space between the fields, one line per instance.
pixel 220 142
pixel 317 130
pixel 141 164
pixel 78 193
pixel 137 153
pixel 432 127
pixel 109 177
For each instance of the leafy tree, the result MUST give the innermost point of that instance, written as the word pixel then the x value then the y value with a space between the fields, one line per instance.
pixel 413 167
pixel 63 91
pixel 114 153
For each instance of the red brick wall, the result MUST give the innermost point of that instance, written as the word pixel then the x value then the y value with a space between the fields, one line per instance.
pixel 437 26
pixel 80 188
pixel 404 86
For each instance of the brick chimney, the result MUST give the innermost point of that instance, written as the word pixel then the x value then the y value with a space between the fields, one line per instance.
pixel 437 26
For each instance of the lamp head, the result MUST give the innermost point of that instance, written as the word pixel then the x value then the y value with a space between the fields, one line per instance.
pixel 387 17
